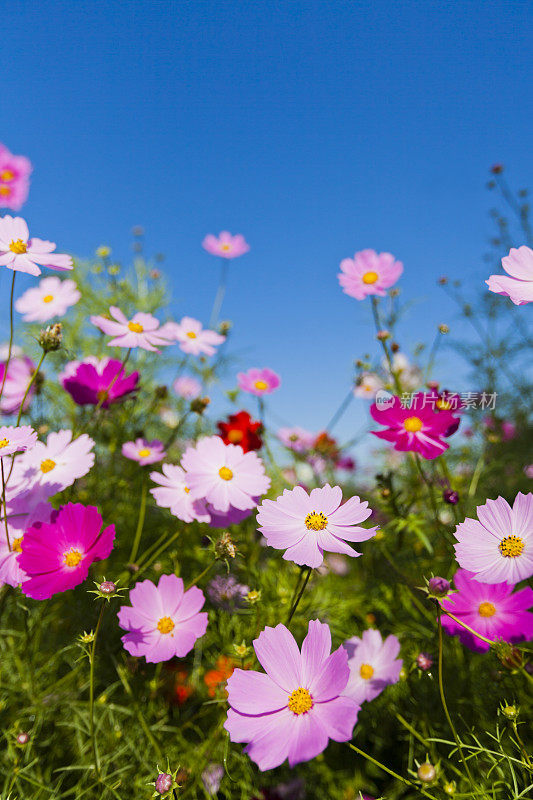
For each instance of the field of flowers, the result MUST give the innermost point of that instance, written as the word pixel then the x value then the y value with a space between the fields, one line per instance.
pixel 194 607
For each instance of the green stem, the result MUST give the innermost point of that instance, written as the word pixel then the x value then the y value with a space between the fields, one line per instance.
pixel 467 627
pixel 476 476
pixel 202 574
pixel 91 690
pixel 221 291
pixel 155 554
pixel 140 522
pixel 340 411
pixel 6 365
pixel 379 327
pixel 406 781
pixel 30 384
pixel 300 594
pixel 430 488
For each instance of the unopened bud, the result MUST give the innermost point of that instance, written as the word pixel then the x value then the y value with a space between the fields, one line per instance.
pixel 108 587
pixel 241 650
pixel 510 712
pixel 253 596
pixel 199 404
pixel 395 347
pixel 23 738
pixel 382 336
pixel 450 496
pixel 225 326
pixel 438 587
pixel 497 169
pixel 424 661
pixel 450 787
pixel 155 274
pixel 426 772
pixel 50 338
pixel 443 280
pixel 444 328
pixel 509 656
pixel 164 783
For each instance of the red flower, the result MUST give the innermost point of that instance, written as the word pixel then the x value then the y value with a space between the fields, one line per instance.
pixel 241 429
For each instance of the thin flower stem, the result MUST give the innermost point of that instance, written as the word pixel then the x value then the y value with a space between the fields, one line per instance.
pixel 155 554
pixel 176 429
pixel 521 745
pixel 430 488
pixel 379 327
pixel 91 690
pixel 340 411
pixel 467 627
pixel 300 594
pixel 221 291
pixel 140 522
pixel 4 504
pixel 476 476
pixel 6 365
pixel 105 393
pixel 30 384
pixel 406 781
pixel 202 574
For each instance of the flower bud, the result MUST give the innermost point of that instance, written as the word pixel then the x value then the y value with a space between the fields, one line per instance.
pixel 497 169
pixel 444 328
pixel 253 596
pixel 395 347
pixel 450 496
pixel 161 392
pixel 426 772
pixel 50 338
pixel 241 650
pixel 382 336
pixel 108 587
pixel 424 661
pixel 225 548
pixel 225 326
pixel 450 787
pixel 137 230
pixel 199 404
pixel 164 783
pixel 510 712
pixel 23 738
pixel 438 587
pixel 443 280
pixel 509 656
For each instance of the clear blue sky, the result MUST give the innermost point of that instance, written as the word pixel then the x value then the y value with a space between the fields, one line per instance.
pixel 314 128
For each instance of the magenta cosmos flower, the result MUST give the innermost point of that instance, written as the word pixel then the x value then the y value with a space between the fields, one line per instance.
pixel 56 555
pixel 140 331
pixel 19 373
pixel 187 387
pixel 305 525
pixel 258 381
pixel 16 440
pixel 93 379
pixel 374 664
pixel 163 621
pixel 193 338
pixel 22 254
pixel 498 546
pixel 174 494
pixel 519 285
pixel 297 439
pixel 15 174
pixel 57 463
pixel 369 273
pixel 226 246
pixel 224 475
pixel 143 451
pixel 420 429
pixel 298 705
pixel 491 609
pixel 52 298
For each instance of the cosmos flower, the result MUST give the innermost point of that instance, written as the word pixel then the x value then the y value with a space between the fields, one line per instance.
pixel 144 452
pixel 163 621
pixel 233 516
pixel 174 493
pixel 140 331
pixel 369 273
pixel 225 592
pixel 519 286
pixel 297 439
pixel 258 381
pixel 192 337
pixel 419 429
pixel 187 387
pixel 498 546
pixel 16 440
pixel 20 253
pixel 56 555
pixel 51 298
pixel 242 430
pixel 367 385
pixel 19 373
pixel 223 474
pixel 294 707
pixel 491 609
pixel 58 463
pixel 15 173
pixel 226 246
pixel 306 525
pixel 374 664
pixel 92 379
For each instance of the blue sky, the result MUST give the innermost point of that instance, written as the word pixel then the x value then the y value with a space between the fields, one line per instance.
pixel 314 128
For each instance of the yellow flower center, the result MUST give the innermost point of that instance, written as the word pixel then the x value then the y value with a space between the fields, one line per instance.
pixel 443 405
pixel 186 489
pixel 512 546
pixel 235 436
pixel 165 625
pixel 16 544
pixel 5 191
pixel 412 424
pixel 18 247
pixel 144 452
pixel 370 277
pixel 7 175
pixel 225 473
pixel 135 327
pixel 191 334
pixel 300 701
pixel 366 671
pixel 72 558
pixel 47 465
pixel 316 521
pixel 486 610
pixel 4 442
pixel 48 298
pixel 225 247
pixel 261 385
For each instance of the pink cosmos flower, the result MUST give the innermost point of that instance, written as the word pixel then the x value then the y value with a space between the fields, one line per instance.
pixel 89 380
pixel 258 381
pixel 144 452
pixel 19 373
pixel 187 387
pixel 297 439
pixel 368 384
pixel 20 253
pixel 16 440
pixel 140 331
pixel 223 474
pixel 192 337
pixel 373 664
pixel 369 273
pixel 419 429
pixel 498 547
pixel 52 298
pixel 308 524
pixel 293 708
pixel 173 493
pixel 58 463
pixel 223 519
pixel 15 172
pixel 519 286
pixel 226 246
pixel 491 609
pixel 163 621
pixel 56 555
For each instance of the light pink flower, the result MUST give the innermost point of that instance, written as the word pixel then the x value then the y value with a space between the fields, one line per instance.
pixel 226 246
pixel 369 273
pixel 19 374
pixel 223 474
pixel 519 286
pixel 51 298
pixel 187 387
pixel 373 665
pixel 192 337
pixel 15 173
pixel 20 253
pixel 140 331
pixel 173 493
pixel 297 439
pixel 58 463
pixel 143 451
pixel 258 381
pixel 305 525
pixel 498 546
pixel 16 440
